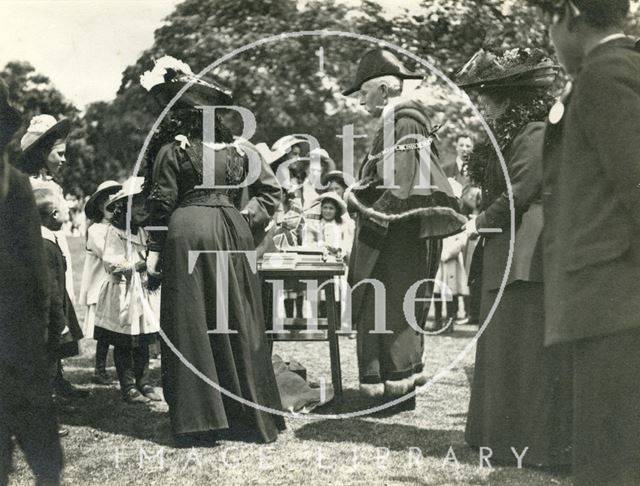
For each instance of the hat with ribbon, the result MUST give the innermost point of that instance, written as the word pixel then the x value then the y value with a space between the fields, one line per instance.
pixel 106 189
pixel 520 67
pixel 169 75
pixel 131 187
pixel 376 63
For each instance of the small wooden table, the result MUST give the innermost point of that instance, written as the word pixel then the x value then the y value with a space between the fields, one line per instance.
pixel 307 329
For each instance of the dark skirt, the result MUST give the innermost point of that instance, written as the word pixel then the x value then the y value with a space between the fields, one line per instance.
pixel 607 410
pixel 404 259
pixel 521 394
pixel 240 363
pixel 121 340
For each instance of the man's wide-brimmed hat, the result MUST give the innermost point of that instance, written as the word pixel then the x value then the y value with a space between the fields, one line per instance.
pixel 376 63
pixel 518 67
pixel 91 208
pixel 169 75
pixel 130 188
pixel 43 132
pixel 9 117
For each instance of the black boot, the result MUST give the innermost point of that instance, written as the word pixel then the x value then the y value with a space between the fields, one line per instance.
pixel 100 376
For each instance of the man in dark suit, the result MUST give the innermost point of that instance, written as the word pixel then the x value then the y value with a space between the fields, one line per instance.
pixel 457 168
pixel 26 409
pixel 591 201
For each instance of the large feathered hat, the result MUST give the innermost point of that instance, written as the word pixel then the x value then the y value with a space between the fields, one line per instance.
pixel 169 75
pixel 518 67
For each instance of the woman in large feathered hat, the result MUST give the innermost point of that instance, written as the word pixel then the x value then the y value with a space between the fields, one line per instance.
pixel 208 219
pixel 521 392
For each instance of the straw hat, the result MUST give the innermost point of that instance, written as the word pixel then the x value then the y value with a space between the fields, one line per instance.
pixel 334 175
pixel 107 188
pixel 341 205
pixel 43 132
pixel 284 144
pixel 130 188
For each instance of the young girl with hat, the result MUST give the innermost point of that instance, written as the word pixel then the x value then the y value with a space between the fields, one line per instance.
pixel 93 273
pixel 43 155
pixel 334 235
pixel 330 233
pixel 127 312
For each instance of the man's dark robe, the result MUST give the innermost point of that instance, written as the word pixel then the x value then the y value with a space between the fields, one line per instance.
pixel 398 240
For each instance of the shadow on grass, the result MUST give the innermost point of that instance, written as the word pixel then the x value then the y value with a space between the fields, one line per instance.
pixel 105 410
pixel 395 437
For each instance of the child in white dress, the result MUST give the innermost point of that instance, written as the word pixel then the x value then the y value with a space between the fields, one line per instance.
pixel 335 235
pixel 93 273
pixel 127 312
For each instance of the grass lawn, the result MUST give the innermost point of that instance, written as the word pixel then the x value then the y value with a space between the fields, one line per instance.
pixel 112 443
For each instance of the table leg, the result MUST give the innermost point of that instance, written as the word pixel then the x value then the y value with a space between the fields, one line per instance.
pixel 334 349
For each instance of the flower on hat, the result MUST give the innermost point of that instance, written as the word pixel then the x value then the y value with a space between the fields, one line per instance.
pixel 166 69
pixel 487 66
pixel 41 123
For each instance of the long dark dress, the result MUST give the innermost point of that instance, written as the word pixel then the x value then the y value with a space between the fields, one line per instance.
pixel 521 392
pixel 209 220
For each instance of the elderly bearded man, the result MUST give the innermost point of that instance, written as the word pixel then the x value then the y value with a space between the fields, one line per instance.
pixel 400 225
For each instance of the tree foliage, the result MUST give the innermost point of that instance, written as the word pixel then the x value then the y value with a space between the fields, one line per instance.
pixel 282 82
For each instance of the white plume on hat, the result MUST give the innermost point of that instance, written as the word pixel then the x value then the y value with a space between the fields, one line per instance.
pixel 157 75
